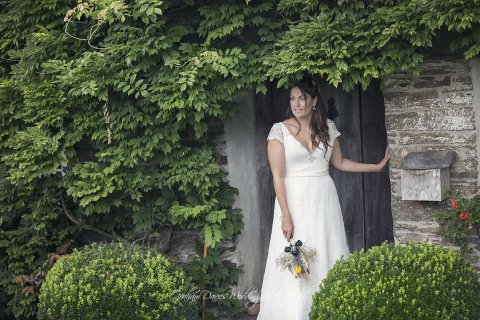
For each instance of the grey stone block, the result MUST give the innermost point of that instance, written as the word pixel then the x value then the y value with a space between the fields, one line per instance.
pixel 431 81
pixel 460 82
pixel 438 137
pixel 182 245
pixel 452 119
pixel 398 101
pixel 459 98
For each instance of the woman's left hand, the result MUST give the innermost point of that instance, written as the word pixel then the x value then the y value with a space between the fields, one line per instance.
pixel 384 161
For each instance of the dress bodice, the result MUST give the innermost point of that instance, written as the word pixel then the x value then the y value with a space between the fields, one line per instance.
pixel 299 161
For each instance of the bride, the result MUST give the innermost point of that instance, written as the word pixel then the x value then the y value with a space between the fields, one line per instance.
pixel 306 204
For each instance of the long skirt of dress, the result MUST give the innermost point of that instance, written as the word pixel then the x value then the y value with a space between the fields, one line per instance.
pixel 318 222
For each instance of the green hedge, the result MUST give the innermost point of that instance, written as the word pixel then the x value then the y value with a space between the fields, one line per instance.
pixel 115 281
pixel 415 281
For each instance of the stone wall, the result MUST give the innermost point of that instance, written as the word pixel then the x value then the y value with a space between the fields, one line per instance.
pixel 433 111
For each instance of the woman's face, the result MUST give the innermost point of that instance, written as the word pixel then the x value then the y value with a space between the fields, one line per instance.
pixel 301 103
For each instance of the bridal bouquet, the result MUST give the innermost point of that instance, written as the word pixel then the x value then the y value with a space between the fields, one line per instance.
pixel 297 258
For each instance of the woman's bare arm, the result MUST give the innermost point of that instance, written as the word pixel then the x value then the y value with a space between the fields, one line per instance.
pixel 345 164
pixel 276 158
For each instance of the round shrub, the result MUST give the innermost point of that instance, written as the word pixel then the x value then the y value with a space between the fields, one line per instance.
pixel 115 281
pixel 415 281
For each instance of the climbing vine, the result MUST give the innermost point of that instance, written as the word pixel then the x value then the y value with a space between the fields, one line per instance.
pixel 351 42
pixel 110 109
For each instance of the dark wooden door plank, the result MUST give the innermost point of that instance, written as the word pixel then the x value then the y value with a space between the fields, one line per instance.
pixel 349 185
pixel 377 192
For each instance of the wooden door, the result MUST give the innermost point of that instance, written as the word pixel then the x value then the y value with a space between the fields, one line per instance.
pixel 364 197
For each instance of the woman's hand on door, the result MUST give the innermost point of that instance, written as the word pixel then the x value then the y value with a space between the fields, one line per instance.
pixel 384 161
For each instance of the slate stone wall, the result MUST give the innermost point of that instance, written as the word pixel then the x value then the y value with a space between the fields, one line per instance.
pixel 433 111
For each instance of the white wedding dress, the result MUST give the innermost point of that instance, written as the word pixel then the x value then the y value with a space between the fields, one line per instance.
pixel 318 222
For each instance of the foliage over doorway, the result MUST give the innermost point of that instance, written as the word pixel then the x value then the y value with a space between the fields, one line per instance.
pixel 110 108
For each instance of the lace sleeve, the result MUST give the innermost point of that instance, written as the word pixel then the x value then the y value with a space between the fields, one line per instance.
pixel 333 132
pixel 276 133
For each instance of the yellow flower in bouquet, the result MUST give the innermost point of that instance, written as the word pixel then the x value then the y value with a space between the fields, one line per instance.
pixel 297 258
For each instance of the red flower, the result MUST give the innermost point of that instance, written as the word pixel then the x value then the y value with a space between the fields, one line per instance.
pixel 463 215
pixel 454 204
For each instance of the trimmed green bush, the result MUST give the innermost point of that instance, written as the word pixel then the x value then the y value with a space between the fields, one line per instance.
pixel 116 281
pixel 415 281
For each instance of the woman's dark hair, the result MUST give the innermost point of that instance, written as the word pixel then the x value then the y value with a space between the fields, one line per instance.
pixel 318 121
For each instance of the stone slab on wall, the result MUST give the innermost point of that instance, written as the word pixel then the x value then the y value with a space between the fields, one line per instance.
pixel 437 110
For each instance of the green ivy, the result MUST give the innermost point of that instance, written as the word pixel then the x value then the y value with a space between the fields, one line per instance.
pixel 352 42
pixel 110 108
